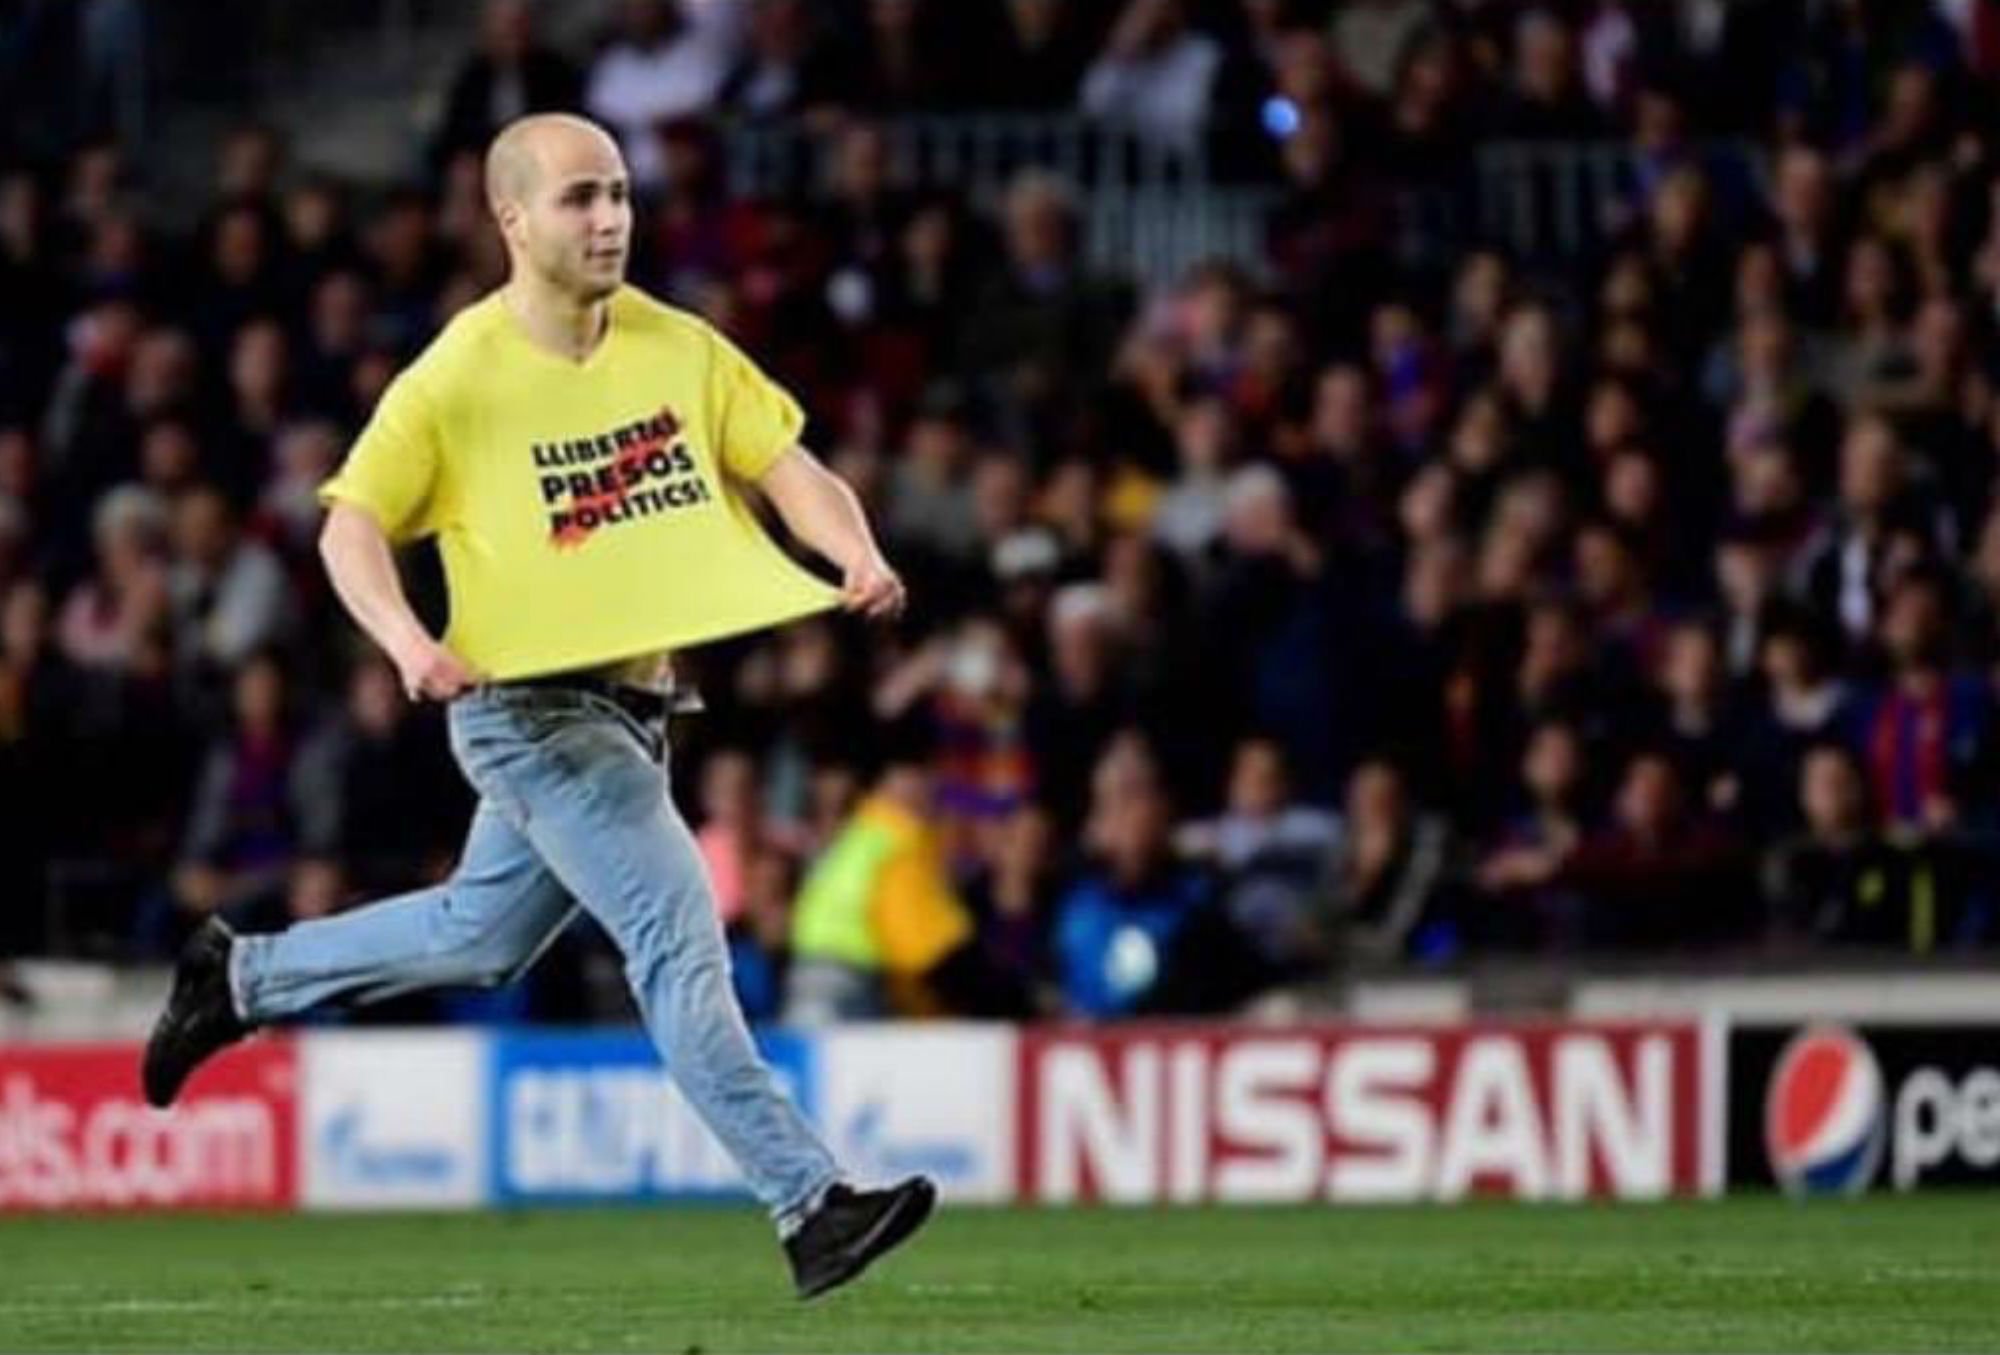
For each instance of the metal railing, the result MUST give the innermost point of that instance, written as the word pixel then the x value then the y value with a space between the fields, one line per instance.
pixel 976 153
pixel 1149 211
pixel 1565 200
pixel 1155 237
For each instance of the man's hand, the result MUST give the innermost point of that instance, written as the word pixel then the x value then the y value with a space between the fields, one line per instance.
pixel 821 510
pixel 430 672
pixel 872 589
pixel 356 551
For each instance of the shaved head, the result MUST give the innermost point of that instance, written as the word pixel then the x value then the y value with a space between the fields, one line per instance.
pixel 529 150
pixel 562 199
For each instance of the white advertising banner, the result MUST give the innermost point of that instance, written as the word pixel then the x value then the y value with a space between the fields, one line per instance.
pixel 937 1099
pixel 393 1119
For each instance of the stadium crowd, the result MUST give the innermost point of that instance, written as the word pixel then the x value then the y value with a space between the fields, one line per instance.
pixel 1322 609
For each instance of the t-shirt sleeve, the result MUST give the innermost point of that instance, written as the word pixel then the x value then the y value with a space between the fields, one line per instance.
pixel 392 469
pixel 756 420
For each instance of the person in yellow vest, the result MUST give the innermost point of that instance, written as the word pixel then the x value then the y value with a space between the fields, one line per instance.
pixel 582 453
pixel 879 929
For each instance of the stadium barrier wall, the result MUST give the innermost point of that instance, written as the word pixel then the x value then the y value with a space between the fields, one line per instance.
pixel 1153 1113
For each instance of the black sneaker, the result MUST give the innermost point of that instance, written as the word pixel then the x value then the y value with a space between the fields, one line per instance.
pixel 853 1227
pixel 199 1019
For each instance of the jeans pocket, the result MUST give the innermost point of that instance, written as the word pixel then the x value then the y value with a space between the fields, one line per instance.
pixel 493 751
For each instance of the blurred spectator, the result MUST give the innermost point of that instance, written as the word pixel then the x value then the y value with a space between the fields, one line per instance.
pixel 1845 563
pixel 1389 875
pixel 405 268
pixel 733 832
pixel 1927 732
pixel 43 726
pixel 1131 932
pixel 1699 725
pixel 1077 709
pixel 84 429
pixel 248 167
pixel 1039 62
pixel 1013 898
pixel 973 688
pixel 1803 702
pixel 760 938
pixel 1154 75
pixel 1661 873
pixel 668 58
pixel 1329 232
pixel 339 318
pixel 880 928
pixel 511 74
pixel 1838 882
pixel 789 66
pixel 40 689
pixel 1530 907
pixel 1189 515
pixel 1269 617
pixel 1271 854
pixel 1044 325
pixel 1548 98
pixel 1810 240
pixel 376 792
pixel 170 459
pixel 930 503
pixel 243 820
pixel 288 513
pixel 244 276
pixel 1371 37
pixel 229 594
pixel 907 61
pixel 117 618
pixel 317 230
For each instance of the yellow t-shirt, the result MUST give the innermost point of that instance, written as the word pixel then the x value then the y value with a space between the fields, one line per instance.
pixel 586 512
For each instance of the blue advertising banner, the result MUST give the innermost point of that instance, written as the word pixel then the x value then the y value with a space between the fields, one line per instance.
pixel 589 1116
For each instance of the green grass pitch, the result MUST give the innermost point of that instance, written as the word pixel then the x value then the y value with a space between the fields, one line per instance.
pixel 1748 1274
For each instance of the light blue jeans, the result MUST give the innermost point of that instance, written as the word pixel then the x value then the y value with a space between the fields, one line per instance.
pixel 573 809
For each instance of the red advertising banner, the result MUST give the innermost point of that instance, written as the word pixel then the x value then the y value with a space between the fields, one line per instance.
pixel 1171 1113
pixel 75 1132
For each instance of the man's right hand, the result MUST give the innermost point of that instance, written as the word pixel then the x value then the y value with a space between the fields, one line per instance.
pixel 430 672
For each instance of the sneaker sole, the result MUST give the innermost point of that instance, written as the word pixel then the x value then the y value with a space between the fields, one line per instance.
pixel 891 1230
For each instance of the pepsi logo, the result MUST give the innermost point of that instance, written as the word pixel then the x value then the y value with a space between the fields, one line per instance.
pixel 1824 1120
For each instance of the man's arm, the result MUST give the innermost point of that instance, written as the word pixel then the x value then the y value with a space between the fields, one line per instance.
pixel 821 511
pixel 364 575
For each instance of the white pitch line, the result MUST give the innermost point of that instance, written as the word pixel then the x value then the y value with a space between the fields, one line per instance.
pixel 226 1305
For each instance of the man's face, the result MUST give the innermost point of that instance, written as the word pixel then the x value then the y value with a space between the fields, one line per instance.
pixel 572 222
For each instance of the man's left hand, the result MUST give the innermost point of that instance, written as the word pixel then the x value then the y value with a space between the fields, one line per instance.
pixel 873 589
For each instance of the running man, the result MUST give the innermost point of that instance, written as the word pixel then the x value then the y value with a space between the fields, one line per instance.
pixel 576 448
